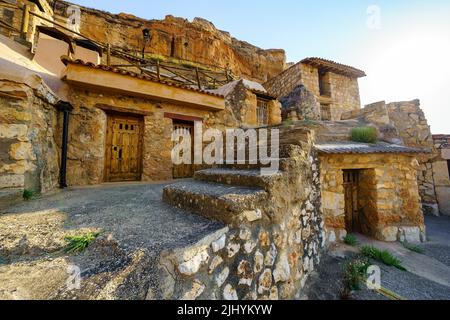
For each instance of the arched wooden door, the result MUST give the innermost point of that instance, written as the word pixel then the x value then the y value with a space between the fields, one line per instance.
pixel 123 160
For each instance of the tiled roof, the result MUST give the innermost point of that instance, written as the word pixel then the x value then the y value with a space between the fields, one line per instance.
pixel 66 60
pixel 253 86
pixel 334 67
pixel 349 147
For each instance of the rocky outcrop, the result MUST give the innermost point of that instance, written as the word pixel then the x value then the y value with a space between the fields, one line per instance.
pixel 300 104
pixel 198 41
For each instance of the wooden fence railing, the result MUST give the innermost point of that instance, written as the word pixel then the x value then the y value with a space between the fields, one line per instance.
pixel 196 75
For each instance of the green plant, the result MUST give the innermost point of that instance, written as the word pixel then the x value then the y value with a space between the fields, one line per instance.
pixel 356 273
pixel 288 123
pixel 413 248
pixel 364 134
pixel 77 244
pixel 351 240
pixel 28 194
pixel 383 256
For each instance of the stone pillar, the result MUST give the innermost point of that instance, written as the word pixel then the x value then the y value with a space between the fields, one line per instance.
pixel 157 149
pixel 274 112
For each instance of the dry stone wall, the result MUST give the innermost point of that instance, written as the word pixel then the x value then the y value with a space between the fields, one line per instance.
pixel 268 253
pixel 29 157
pixel 344 91
pixel 405 123
pixel 441 172
pixel 390 199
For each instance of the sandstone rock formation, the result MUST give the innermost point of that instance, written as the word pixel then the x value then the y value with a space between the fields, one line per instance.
pixel 197 41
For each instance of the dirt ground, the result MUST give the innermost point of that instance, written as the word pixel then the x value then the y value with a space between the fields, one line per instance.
pixel 427 278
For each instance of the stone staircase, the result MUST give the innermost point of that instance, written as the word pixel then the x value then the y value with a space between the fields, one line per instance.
pixel 225 194
pixel 238 192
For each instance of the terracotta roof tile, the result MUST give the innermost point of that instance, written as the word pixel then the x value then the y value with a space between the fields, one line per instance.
pixel 334 66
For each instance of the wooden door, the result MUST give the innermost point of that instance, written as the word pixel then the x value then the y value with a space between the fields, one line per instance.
pixel 351 182
pixel 123 160
pixel 184 171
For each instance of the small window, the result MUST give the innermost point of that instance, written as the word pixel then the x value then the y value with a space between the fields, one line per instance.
pixel 324 83
pixel 262 112
pixel 325 112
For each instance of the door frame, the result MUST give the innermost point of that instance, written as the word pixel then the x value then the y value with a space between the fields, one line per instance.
pixel 353 220
pixel 110 115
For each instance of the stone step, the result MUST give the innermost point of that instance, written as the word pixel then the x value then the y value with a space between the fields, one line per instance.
pixel 229 176
pixel 283 162
pixel 220 202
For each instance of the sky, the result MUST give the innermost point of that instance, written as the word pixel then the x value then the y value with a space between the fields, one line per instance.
pixel 403 45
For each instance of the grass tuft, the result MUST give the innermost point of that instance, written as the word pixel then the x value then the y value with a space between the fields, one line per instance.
pixel 364 134
pixel 356 273
pixel 383 256
pixel 29 194
pixel 77 244
pixel 413 248
pixel 351 240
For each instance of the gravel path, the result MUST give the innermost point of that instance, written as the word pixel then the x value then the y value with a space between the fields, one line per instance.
pixel 428 277
pixel 133 213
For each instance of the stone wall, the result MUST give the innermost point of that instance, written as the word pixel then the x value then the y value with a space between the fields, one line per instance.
pixel 87 132
pixel 344 90
pixel 390 200
pixel 29 156
pixel 267 253
pixel 405 123
pixel 243 103
pixel 410 121
pixel 441 172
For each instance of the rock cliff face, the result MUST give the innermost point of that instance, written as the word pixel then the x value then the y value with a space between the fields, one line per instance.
pixel 198 41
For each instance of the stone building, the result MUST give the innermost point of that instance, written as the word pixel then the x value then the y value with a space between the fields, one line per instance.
pixel 441 172
pixel 334 85
pixel 72 114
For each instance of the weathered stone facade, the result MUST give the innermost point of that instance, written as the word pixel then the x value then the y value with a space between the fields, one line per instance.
pixel 274 230
pixel 29 157
pixel 441 172
pixel 405 123
pixel 342 91
pixel 390 201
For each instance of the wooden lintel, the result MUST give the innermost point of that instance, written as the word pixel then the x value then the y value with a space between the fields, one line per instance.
pixel 181 117
pixel 107 107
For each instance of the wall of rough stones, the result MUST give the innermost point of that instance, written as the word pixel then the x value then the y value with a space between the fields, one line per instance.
pixel 344 90
pixel 87 131
pixel 441 172
pixel 412 125
pixel 389 199
pixel 29 152
pixel 266 254
pixel 405 123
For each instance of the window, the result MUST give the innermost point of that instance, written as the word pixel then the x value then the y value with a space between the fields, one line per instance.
pixel 262 112
pixel 324 83
pixel 325 112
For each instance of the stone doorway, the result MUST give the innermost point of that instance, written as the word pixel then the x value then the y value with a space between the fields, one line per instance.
pixel 184 171
pixel 123 159
pixel 352 208
pixel 360 190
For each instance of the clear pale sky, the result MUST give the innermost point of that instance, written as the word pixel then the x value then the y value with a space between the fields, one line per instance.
pixel 403 45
